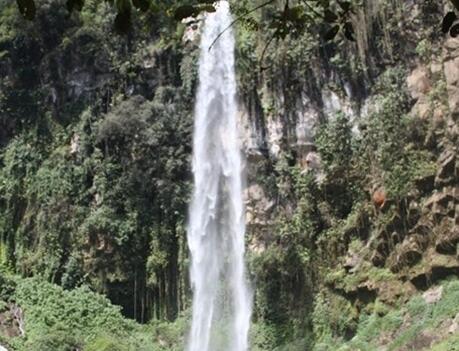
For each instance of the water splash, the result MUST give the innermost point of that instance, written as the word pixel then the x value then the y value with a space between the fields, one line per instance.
pixel 221 297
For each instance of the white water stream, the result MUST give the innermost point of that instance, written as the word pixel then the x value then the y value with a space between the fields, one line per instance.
pixel 221 296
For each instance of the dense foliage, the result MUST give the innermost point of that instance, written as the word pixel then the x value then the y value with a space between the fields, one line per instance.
pixel 95 175
pixel 61 320
pixel 95 144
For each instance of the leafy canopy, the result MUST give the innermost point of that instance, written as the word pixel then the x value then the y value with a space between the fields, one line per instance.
pixel 335 16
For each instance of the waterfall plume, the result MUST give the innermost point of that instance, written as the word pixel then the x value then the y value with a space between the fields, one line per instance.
pixel 221 296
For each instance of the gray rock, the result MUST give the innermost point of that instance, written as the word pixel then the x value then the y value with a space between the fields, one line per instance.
pixel 433 295
pixel 446 167
pixel 446 243
pixel 451 69
pixel 454 327
pixel 418 82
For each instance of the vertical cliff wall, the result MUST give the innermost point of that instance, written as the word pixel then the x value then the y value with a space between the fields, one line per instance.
pixel 351 154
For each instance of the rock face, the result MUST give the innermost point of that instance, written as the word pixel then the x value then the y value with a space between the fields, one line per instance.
pixel 274 126
pixel 407 253
pixel 448 168
pixel 419 86
pixel 451 70
pixel 258 206
pixel 280 112
pixel 404 251
pixel 446 242
pixel 11 323
pixel 433 295
pixel 75 145
pixel 418 82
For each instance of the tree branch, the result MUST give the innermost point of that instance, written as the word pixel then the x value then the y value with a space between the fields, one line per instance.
pixel 313 9
pixel 238 19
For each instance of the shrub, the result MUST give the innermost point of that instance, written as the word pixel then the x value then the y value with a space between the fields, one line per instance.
pixel 55 340
pixel 106 343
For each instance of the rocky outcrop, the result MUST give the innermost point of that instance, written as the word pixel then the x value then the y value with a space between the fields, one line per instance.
pixel 447 241
pixel 448 168
pixel 419 85
pixel 407 253
pixel 12 323
pixel 433 295
pixel 433 268
pixel 451 71
pixel 258 206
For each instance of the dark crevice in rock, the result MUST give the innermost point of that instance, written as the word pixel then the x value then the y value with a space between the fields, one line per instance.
pixel 424 281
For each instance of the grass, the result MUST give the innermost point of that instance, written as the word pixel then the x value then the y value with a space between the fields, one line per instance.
pixel 395 327
pixel 64 320
pixel 61 320
pixel 450 344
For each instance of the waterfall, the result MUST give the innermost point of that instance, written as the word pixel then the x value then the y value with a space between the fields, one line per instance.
pixel 221 296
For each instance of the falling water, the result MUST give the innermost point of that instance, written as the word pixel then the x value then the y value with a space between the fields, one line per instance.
pixel 221 297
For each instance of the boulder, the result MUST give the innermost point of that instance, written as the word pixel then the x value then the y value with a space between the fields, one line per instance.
pixel 422 109
pixel 454 327
pixel 351 261
pixel 447 241
pixel 255 193
pixel 74 145
pixel 312 161
pixel 438 116
pixel 408 253
pixel 418 82
pixel 452 80
pixel 451 48
pixel 447 170
pixel 436 67
pixel 433 295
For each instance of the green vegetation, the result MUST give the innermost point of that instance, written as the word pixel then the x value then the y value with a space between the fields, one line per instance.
pixel 307 296
pixel 95 146
pixel 58 319
pixel 408 322
pixel 383 326
pixel 94 182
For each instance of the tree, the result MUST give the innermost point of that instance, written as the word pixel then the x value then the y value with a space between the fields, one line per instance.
pixel 336 17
